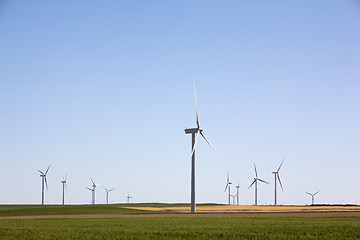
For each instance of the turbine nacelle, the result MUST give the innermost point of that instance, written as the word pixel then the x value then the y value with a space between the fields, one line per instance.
pixel 193 130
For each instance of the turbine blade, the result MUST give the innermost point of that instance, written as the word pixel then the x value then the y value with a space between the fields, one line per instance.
pixel 255 171
pixel 47 169
pixel 88 188
pixel 196 139
pixel 280 165
pixel 227 184
pixel 105 188
pixel 309 193
pixel 196 105
pixel 227 177
pixel 280 182
pixel 263 181
pixel 316 193
pixel 112 189
pixel 92 181
pixel 46 183
pixel 207 140
pixel 252 183
pixel 41 172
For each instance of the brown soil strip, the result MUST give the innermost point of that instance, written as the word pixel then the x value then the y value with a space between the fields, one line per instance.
pixel 182 215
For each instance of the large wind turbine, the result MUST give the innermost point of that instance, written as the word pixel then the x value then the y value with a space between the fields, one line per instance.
pixel 195 131
pixel 278 177
pixel 107 194
pixel 63 182
pixel 43 180
pixel 92 191
pixel 256 179
pixel 312 197
pixel 228 183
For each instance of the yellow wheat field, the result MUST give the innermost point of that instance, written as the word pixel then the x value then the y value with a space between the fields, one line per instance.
pixel 252 209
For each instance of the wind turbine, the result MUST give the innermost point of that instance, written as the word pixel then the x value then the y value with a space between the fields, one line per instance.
pixel 312 197
pixel 63 188
pixel 107 194
pixel 43 180
pixel 256 179
pixel 92 191
pixel 195 131
pixel 278 177
pixel 128 198
pixel 237 193
pixel 228 183
pixel 233 196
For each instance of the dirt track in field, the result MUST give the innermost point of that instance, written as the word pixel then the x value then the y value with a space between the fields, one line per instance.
pixel 184 215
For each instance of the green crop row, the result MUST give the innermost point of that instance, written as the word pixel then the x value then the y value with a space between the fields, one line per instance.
pixel 183 228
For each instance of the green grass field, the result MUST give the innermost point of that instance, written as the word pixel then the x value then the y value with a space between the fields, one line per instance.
pixel 183 228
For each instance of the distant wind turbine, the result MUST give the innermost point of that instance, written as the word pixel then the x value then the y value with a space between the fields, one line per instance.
pixel 312 197
pixel 128 198
pixel 107 194
pixel 233 196
pixel 237 193
pixel 92 191
pixel 278 177
pixel 43 180
pixel 195 131
pixel 63 182
pixel 228 183
pixel 256 179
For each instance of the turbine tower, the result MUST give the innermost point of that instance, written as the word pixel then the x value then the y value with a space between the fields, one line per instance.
pixel 195 131
pixel 107 194
pixel 233 196
pixel 228 183
pixel 312 197
pixel 43 180
pixel 63 182
pixel 92 191
pixel 256 179
pixel 278 177
pixel 237 193
pixel 128 198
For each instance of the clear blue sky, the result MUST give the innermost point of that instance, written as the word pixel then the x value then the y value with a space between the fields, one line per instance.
pixel 105 90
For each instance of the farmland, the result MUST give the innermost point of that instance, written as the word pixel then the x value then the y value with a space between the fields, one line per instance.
pixel 36 210
pixel 183 228
pixel 207 208
pixel 125 222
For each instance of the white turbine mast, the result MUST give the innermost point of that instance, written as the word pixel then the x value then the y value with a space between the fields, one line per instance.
pixel 92 191
pixel 64 186
pixel 312 196
pixel 195 132
pixel 256 179
pixel 228 183
pixel 107 193
pixel 43 182
pixel 276 173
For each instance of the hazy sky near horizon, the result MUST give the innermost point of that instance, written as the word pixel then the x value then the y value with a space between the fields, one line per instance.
pixel 105 90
